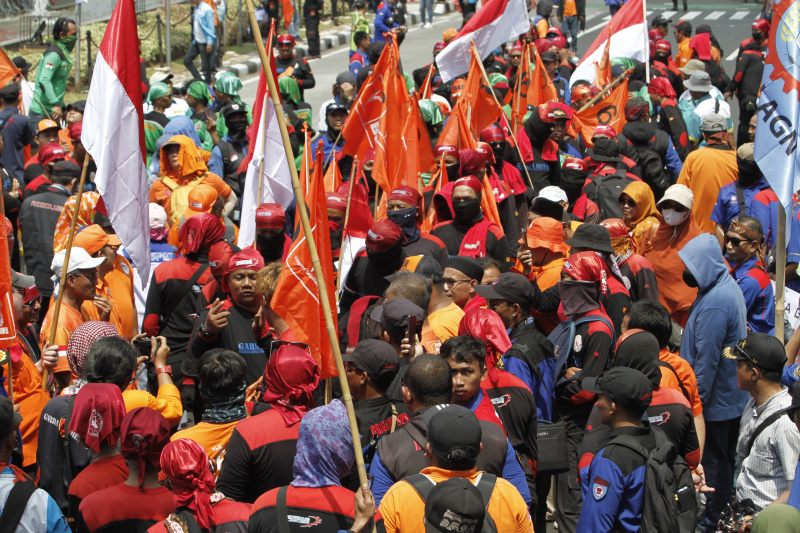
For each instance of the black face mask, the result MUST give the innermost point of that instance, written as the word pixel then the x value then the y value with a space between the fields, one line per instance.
pixel 578 296
pixel 756 35
pixel 465 213
pixel 336 235
pixel 749 173
pixel 407 220
pixel 690 280
pixel 663 58
pixel 453 172
pixel 388 261
pixel 498 155
pixel 238 130
pixel 271 248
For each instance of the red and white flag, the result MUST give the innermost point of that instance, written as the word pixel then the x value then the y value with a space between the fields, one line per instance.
pixel 628 39
pixel 113 133
pixel 497 22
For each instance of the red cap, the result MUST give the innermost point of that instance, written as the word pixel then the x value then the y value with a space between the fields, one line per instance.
pixel 654 35
pixel 469 181
pixel 218 257
pixel 663 46
pixel 517 47
pixel 75 130
pixel 486 151
pixel 334 200
pixel 438 47
pixel 270 216
pixel 559 42
pixel 405 194
pixel 554 29
pixel 581 92
pixel 492 134
pixel 50 153
pixel 383 235
pixel 286 38
pixel 605 131
pixel 761 25
pixel 574 163
pixel 445 149
pixel 546 113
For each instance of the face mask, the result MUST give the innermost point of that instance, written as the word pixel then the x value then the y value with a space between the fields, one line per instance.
pixel 271 248
pixel 673 218
pixel 663 58
pixel 388 261
pixel 498 155
pixel 453 171
pixel 465 213
pixel 689 279
pixel 159 235
pixel 69 42
pixel 756 35
pixel 578 296
pixel 407 220
pixel 237 130
pixel 336 234
pixel 749 173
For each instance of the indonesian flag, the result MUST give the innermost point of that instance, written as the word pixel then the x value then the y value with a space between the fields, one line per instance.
pixel 497 22
pixel 113 133
pixel 629 39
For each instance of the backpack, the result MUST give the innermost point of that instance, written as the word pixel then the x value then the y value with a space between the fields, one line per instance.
pixel 485 483
pixel 563 339
pixel 607 189
pixel 652 167
pixel 669 504
pixel 179 200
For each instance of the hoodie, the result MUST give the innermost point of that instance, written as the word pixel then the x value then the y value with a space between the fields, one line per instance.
pixel 717 321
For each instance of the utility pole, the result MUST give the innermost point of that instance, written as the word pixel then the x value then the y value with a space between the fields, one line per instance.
pixel 169 34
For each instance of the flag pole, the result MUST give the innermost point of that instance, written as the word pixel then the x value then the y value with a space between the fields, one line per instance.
pixel 646 43
pixel 346 219
pixel 325 304
pixel 780 274
pixel 57 309
pixel 607 89
pixel 517 86
pixel 264 138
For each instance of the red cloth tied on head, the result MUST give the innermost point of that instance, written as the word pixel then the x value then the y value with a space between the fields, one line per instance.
pixel 517 47
pixel 588 266
pixel 144 434
pixel 445 149
pixel 546 113
pixel 247 259
pixel 270 216
pixel 290 379
pixel 82 340
pixel 605 131
pixel 406 194
pixel 334 200
pixel 75 131
pixel 663 46
pixel 286 38
pixel 559 42
pixel 383 235
pixel 469 181
pixel 186 465
pixel 97 414
pixel 492 134
pixel 438 47
pixel 485 149
pixel 573 163
pixel 471 161
pixel 761 25
pixel 654 35
pixel 200 232
pixel 486 325
pixel 661 87
pixel 218 258
pixel 701 44
pixel 369 155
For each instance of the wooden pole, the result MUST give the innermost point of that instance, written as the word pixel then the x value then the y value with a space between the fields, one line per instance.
pixel 325 304
pixel 607 89
pixel 346 219
pixel 57 309
pixel 780 274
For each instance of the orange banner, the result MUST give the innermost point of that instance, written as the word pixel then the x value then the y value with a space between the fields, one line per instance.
pixel 610 111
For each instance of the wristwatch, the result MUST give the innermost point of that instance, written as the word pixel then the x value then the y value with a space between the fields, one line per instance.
pixel 205 333
pixel 163 369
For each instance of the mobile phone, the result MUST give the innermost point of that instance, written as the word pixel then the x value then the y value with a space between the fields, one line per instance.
pixel 412 331
pixel 524 245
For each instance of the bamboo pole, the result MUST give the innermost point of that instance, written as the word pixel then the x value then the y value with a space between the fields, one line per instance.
pixel 607 89
pixel 325 304
pixel 57 309
pixel 780 274
pixel 339 280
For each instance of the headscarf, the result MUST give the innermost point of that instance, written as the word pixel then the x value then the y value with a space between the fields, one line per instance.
pixel 620 239
pixel 199 90
pixel 642 194
pixel 144 433
pixel 290 378
pixel 471 161
pixel 270 216
pixel 324 447
pixel 158 223
pixel 228 83
pixel 186 465
pixel 486 325
pixel 97 413
pixel 157 90
pixel 289 88
pixel 200 232
pixel 638 349
pixel 701 44
pixel 181 126
pixel 191 160
pixel 80 342
pixel 592 266
pixel 431 113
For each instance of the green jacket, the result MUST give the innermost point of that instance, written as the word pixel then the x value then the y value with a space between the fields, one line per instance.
pixel 358 22
pixel 51 80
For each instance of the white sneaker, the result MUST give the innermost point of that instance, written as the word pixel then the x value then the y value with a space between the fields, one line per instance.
pixel 428 25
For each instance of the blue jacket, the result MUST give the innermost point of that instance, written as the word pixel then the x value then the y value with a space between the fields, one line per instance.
pixel 205 17
pixel 727 206
pixel 764 207
pixel 790 375
pixel 717 320
pixel 384 12
pixel 758 295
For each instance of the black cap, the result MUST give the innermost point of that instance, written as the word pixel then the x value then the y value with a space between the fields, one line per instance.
pixel 66 168
pixel 514 288
pixel 393 316
pixel 9 419
pixel 345 77
pixel 548 208
pixel 660 20
pixel 335 106
pixel 79 106
pixel 374 357
pixel 625 386
pixel 548 57
pixel 453 427
pixel 762 350
pixel 593 237
pixel 21 63
pixel 454 505
pixel 232 108
pixel 424 265
pixel 604 150
pixel 684 26
pixel 468 266
pixel 10 92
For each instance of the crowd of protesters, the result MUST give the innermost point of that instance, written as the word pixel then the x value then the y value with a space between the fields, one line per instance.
pixel 549 328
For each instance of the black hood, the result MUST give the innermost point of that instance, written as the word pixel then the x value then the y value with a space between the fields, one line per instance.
pixel 538 130
pixel 639 132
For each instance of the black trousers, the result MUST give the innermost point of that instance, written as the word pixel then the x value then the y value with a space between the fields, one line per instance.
pixel 568 486
pixel 312 34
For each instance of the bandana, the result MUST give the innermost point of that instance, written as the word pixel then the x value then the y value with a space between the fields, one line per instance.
pixel 50 153
pixel 290 379
pixel 632 114
pixel 223 407
pixel 144 432
pixel 334 200
pixel 606 131
pixel 82 340
pixel 406 194
pixel 270 216
pixel 492 134
pixel 485 149
pixel 324 447
pixel 588 266
pixel 445 149
pixel 219 257
pixel 622 242
pixel 486 325
pixel 96 414
pixel 200 232
pixel 748 233
pixel 470 181
pixel 383 235
pixel 661 87
pixel 247 259
pixel 186 465
pixel 199 90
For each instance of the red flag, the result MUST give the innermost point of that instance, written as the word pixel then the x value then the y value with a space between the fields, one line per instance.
pixel 296 298
pixel 360 218
pixel 610 111
pixel 389 169
pixel 8 70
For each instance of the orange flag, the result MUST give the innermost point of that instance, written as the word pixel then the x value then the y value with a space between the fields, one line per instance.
pixel 389 168
pixel 296 298
pixel 427 87
pixel 8 324
pixel 438 180
pixel 419 154
pixel 519 106
pixel 8 70
pixel 542 89
pixel 288 13
pixel 610 111
pixel 603 68
pixel 333 177
pixel 488 203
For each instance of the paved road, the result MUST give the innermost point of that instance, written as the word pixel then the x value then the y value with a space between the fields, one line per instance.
pixel 729 20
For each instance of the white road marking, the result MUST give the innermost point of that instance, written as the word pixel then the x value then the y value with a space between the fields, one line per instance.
pixel 740 15
pixel 732 56
pixel 714 15
pixel 690 15
pixel 668 14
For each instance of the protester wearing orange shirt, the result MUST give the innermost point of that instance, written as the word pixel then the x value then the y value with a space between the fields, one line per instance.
pixel 114 284
pixel 204 199
pixel 222 387
pixel 683 34
pixel 183 168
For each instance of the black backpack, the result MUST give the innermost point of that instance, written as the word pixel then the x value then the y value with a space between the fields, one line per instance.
pixel 669 504
pixel 652 167
pixel 607 189
pixel 486 482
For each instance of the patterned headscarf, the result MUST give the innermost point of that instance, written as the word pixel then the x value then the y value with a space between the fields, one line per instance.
pixel 144 434
pixel 290 379
pixel 620 239
pixel 80 342
pixel 486 325
pixel 97 414
pixel 325 451
pixel 186 465
pixel 89 201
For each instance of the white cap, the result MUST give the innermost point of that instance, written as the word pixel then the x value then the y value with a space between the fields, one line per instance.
pixel 79 259
pixel 553 193
pixel 680 194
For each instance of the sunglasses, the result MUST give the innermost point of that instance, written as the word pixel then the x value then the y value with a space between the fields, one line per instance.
pixel 627 202
pixel 494 305
pixel 736 241
pixel 33 302
pixel 515 56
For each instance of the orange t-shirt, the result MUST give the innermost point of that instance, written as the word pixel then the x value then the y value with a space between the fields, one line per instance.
pixel 684 54
pixel 160 193
pixel 444 322
pixel 118 288
pixel 68 319
pixel 569 8
pixel 429 340
pixel 705 172
pixel 212 437
pixel 687 377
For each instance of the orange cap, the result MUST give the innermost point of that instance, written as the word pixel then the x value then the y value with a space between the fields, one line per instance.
pixel 448 34
pixel 47 124
pixel 93 238
pixel 546 232
pixel 201 199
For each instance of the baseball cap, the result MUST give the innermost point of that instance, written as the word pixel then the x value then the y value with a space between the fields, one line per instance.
pixel 66 168
pixel 625 386
pixel 548 57
pixel 438 47
pixel 201 199
pixel 345 77
pixel 79 259
pixel 692 65
pixel 746 152
pixel 46 124
pixel 553 193
pixel 270 216
pixel 680 194
pixel 10 91
pixel 714 123
pixel 592 236
pixel 376 358
pixel 158 216
pixel 761 350
pixel 232 108
pixel 21 281
pixel 660 20
pixel 452 428
pixel 454 505
pixel 79 106
pixel 423 265
pixel 514 288
pixel 393 316
pixel 160 77
pixel 93 238
pixel 50 153
pixel 9 419
pixel 547 208
pixel 684 26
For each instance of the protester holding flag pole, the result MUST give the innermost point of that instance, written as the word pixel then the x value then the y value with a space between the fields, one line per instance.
pixel 304 220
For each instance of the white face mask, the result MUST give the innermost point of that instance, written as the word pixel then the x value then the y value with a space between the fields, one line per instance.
pixel 673 218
